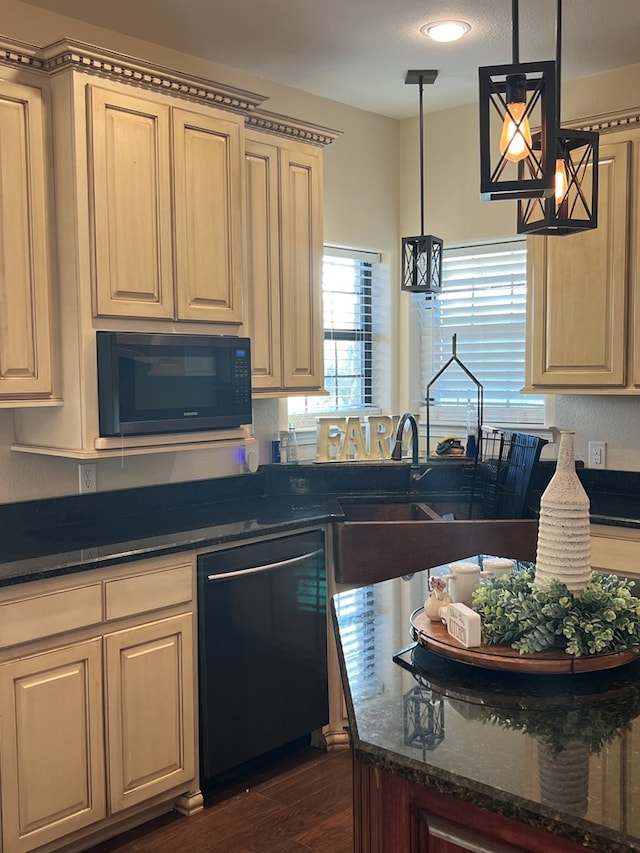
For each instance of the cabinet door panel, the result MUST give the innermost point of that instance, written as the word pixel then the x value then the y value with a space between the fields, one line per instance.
pixel 634 269
pixel 52 745
pixel 263 263
pixel 301 244
pixel 577 334
pixel 129 149
pixel 25 347
pixel 208 217
pixel 150 710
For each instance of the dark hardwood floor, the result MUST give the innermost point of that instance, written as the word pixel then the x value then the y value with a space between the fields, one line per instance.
pixel 299 803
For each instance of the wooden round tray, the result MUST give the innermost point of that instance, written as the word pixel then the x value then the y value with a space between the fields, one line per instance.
pixel 435 637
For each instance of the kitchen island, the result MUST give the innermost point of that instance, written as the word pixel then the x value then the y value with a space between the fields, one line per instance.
pixel 452 757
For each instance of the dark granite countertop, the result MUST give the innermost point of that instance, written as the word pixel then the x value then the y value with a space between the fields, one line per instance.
pixel 614 496
pixel 556 752
pixel 44 538
pixel 75 547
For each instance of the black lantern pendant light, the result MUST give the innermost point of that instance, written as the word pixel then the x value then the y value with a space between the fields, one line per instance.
pixel 574 205
pixel 421 256
pixel 514 98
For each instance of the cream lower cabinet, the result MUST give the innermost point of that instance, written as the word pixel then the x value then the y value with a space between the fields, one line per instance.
pixel 150 710
pixel 52 754
pixel 578 340
pixel 165 188
pixel 26 270
pixel 97 695
pixel 616 549
pixel 283 184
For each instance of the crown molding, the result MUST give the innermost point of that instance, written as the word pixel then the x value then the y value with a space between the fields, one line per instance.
pixel 67 54
pixel 20 54
pixel 607 122
pixel 280 125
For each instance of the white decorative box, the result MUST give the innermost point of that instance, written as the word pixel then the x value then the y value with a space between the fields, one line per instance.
pixel 464 625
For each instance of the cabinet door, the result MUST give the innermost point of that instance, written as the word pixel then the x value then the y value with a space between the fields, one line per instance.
pixel 263 262
pixel 208 217
pixel 634 270
pixel 301 259
pixel 52 754
pixel 25 346
pixel 150 710
pixel 129 151
pixel 577 335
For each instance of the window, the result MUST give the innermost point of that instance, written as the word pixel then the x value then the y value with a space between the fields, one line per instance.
pixel 482 302
pixel 349 280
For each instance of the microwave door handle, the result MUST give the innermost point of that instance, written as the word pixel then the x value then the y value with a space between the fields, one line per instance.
pixel 267 567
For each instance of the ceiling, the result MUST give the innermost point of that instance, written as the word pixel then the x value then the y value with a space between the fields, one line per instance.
pixel 358 51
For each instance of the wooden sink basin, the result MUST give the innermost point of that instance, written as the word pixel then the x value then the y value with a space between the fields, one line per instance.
pixel 410 511
pixel 377 541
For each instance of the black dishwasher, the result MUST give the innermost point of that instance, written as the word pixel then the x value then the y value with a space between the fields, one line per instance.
pixel 262 642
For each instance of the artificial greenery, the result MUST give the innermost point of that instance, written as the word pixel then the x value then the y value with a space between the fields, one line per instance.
pixel 604 619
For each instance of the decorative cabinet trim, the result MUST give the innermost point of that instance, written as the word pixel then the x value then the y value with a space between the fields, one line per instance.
pixel 283 126
pixel 75 55
pixel 21 54
pixel 62 55
pixel 608 122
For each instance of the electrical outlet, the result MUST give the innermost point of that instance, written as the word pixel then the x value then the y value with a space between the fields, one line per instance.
pixel 87 475
pixel 597 454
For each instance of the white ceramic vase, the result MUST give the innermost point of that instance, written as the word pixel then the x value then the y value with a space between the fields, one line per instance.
pixel 564 550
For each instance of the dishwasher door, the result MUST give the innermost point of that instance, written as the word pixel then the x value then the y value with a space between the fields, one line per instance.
pixel 262 649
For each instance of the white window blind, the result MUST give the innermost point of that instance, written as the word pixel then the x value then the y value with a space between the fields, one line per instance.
pixel 356 610
pixel 483 303
pixel 349 285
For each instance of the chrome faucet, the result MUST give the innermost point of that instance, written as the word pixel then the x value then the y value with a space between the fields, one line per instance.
pixel 416 474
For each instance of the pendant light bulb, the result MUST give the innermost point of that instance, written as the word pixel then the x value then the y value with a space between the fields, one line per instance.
pixel 515 140
pixel 561 180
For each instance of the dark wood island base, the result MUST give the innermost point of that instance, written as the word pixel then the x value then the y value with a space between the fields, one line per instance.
pixel 394 815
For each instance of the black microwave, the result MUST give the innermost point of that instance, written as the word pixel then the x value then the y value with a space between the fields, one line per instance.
pixel 166 383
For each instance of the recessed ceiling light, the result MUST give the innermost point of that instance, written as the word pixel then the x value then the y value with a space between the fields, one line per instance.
pixel 445 30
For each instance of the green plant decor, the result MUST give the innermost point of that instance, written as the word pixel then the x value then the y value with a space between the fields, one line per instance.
pixel 604 619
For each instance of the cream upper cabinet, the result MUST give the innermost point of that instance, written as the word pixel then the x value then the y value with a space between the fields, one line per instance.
pixel 284 255
pixel 263 262
pixel 131 184
pixel 207 176
pixel 165 185
pixel 634 268
pixel 25 247
pixel 581 289
pixel 151 221
pixel 577 290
